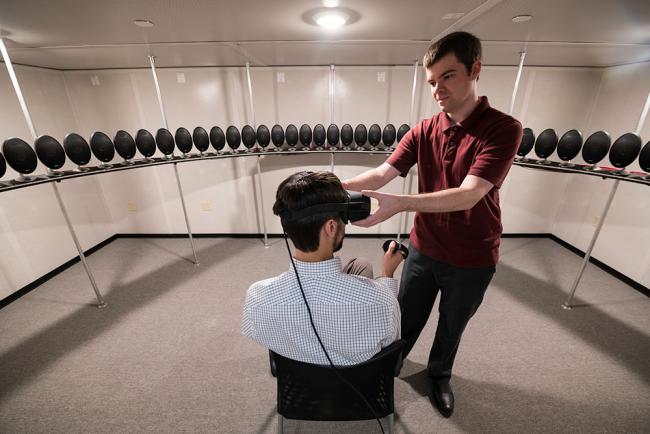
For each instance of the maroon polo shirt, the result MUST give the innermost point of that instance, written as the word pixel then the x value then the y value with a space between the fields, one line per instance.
pixel 483 145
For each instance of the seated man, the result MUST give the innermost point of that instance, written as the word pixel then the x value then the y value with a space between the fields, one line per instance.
pixel 355 316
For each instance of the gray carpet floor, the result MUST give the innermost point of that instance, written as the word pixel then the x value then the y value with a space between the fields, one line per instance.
pixel 166 355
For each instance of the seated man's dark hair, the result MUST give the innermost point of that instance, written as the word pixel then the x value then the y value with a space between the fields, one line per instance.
pixel 465 46
pixel 304 189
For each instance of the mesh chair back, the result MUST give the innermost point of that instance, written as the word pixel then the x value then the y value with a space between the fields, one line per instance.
pixel 527 142
pixel 625 150
pixel 546 143
pixel 291 135
pixel 314 392
pixel 596 147
pixel 644 158
pixel 569 145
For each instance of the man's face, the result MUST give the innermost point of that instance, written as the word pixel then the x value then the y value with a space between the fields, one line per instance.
pixel 340 234
pixel 451 85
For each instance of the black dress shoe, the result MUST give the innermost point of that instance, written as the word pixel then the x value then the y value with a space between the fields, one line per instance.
pixel 443 397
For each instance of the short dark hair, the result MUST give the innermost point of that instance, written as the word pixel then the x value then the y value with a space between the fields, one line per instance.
pixel 465 46
pixel 304 189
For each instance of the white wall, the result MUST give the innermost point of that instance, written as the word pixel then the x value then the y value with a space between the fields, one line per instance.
pixel 222 195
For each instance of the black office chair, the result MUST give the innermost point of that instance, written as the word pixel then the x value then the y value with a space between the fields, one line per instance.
pixel 20 157
pixel 569 147
pixel 314 392
pixel 305 135
pixel 77 150
pixel 526 145
pixel 388 136
pixel 595 148
pixel 201 140
pixel 146 144
pixel 545 145
pixel 623 153
pixel 125 146
pixel 374 135
pixel 319 136
pixel 248 137
pixel 50 152
pixel 217 139
pixel 165 143
pixel 333 135
pixel 347 136
pixel 277 136
pixel 263 136
pixel 360 136
pixel 183 140
pixel 103 149
pixel 291 136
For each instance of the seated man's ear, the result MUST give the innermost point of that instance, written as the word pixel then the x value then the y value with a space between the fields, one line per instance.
pixel 330 227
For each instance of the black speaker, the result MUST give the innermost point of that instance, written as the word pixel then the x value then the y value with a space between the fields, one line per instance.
pixel 644 158
pixel 77 149
pixel 145 143
pixel 291 135
pixel 263 136
pixel 319 135
pixel 165 141
pixel 401 131
pixel 183 140
pixel 102 147
pixel 124 145
pixel 3 166
pixel 374 135
pixel 347 135
pixel 388 135
pixel 19 155
pixel 217 138
pixel 625 150
pixel 50 152
pixel 546 143
pixel 527 142
pixel 333 135
pixel 233 138
pixel 596 147
pixel 201 139
pixel 360 135
pixel 248 136
pixel 277 135
pixel 305 135
pixel 569 145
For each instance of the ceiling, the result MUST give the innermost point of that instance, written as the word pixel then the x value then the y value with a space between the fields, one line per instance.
pixel 92 34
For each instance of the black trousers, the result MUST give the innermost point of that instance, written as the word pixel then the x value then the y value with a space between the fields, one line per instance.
pixel 461 290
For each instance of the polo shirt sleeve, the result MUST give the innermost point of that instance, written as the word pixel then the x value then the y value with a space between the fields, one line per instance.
pixel 406 153
pixel 497 154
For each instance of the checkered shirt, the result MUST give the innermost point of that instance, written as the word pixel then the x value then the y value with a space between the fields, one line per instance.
pixel 355 316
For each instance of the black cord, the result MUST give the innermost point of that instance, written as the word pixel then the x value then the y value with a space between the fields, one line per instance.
pixel 336 370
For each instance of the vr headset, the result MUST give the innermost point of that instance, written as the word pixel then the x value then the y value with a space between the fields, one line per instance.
pixel 356 207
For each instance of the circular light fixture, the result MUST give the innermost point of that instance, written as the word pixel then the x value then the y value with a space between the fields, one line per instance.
pixel 143 23
pixel 330 3
pixel 521 18
pixel 331 19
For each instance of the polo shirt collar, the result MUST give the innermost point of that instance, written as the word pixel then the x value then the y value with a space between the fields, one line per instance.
pixel 470 120
pixel 331 266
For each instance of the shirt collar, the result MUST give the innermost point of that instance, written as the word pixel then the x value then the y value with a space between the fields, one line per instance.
pixel 470 120
pixel 331 266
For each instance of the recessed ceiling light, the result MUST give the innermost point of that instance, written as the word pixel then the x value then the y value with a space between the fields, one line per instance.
pixel 521 18
pixel 143 23
pixel 330 3
pixel 331 19
pixel 452 16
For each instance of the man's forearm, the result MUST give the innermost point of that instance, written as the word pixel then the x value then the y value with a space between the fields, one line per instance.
pixel 452 199
pixel 372 179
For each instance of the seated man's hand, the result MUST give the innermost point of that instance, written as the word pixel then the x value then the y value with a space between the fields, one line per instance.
pixel 391 260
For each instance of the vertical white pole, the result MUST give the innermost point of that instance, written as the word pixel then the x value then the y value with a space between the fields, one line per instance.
pixel 516 88
pixel 332 83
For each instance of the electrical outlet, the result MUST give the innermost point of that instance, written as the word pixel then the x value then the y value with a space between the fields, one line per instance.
pixel 206 205
pixel 381 77
pixel 280 77
pixel 131 206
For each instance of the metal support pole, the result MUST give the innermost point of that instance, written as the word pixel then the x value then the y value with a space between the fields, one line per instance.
pixel 639 125
pixel 178 179
pixel 331 111
pixel 403 217
pixel 516 88
pixel 250 95
pixel 101 303
pixel 32 130
pixel 259 186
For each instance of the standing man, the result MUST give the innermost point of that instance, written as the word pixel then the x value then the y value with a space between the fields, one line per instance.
pixel 463 155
